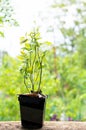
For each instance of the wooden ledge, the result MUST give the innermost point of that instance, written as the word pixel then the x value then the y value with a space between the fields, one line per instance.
pixel 48 125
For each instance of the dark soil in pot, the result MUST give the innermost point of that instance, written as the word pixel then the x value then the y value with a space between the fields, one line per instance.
pixel 32 107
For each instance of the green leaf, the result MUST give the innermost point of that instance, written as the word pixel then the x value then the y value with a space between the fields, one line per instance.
pixel 30 70
pixel 27 45
pixel 48 43
pixel 20 57
pixel 1 34
pixel 23 40
pixel 1 21
pixel 83 96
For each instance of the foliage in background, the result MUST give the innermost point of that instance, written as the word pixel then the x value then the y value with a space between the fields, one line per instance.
pixel 66 28
pixel 69 87
pixel 64 78
pixel 6 15
pixel 67 91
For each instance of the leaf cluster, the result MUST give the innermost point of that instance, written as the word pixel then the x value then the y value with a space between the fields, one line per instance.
pixel 32 57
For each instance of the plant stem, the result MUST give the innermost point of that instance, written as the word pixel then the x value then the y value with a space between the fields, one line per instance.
pixel 40 76
pixel 31 75
pixel 31 79
pixel 25 83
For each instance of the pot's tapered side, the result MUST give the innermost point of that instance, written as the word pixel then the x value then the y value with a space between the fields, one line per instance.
pixel 32 111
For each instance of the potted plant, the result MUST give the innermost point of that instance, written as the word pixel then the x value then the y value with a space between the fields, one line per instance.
pixel 32 104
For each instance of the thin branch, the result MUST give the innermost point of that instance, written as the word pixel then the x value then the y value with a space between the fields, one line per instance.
pixel 25 83
pixel 40 76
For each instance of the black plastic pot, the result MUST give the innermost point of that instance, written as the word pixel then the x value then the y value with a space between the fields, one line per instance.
pixel 31 111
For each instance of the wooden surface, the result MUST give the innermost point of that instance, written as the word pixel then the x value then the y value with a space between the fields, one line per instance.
pixel 48 125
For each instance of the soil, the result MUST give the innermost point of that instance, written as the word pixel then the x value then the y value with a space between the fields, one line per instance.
pixel 35 94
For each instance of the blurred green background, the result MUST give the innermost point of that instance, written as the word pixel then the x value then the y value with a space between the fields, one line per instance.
pixel 64 76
